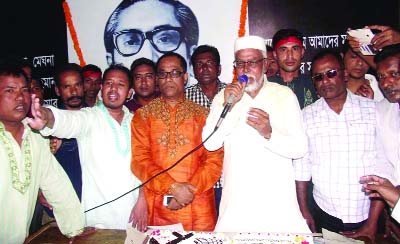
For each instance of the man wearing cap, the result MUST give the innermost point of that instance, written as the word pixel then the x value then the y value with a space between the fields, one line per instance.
pixel 261 135
pixel 288 51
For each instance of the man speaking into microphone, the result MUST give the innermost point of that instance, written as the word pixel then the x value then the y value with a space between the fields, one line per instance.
pixel 261 135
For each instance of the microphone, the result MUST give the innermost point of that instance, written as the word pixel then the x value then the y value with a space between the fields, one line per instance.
pixel 229 102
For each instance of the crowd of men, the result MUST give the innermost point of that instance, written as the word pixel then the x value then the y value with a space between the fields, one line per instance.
pixel 295 152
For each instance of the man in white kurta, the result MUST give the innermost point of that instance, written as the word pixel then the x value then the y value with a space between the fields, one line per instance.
pixel 47 174
pixel 104 149
pixel 259 192
pixel 26 164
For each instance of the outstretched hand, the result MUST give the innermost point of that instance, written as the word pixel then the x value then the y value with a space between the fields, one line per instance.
pixel 40 115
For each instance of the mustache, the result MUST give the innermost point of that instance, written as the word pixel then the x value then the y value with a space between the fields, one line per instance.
pixel 74 97
pixel 251 76
pixel 391 89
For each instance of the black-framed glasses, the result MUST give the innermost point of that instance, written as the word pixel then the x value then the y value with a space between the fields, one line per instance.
pixel 250 63
pixel 320 76
pixel 163 39
pixel 174 74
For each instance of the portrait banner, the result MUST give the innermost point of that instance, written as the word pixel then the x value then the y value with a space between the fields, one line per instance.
pixel 115 31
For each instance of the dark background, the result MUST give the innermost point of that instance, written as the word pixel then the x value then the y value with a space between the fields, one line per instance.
pixel 316 17
pixel 34 28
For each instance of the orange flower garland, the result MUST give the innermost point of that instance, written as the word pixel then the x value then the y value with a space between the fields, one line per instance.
pixel 242 25
pixel 243 18
pixel 70 24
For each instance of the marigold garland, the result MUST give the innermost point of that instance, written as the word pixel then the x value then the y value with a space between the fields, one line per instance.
pixel 242 26
pixel 70 24
pixel 72 31
pixel 243 18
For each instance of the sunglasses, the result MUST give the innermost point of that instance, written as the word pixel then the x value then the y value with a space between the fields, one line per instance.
pixel 320 76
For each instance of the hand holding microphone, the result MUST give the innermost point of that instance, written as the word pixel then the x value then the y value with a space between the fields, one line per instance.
pixel 233 93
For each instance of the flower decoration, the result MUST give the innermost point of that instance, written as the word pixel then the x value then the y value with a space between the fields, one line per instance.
pixel 72 31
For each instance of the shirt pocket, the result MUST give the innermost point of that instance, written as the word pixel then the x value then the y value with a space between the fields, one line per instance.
pixel 362 135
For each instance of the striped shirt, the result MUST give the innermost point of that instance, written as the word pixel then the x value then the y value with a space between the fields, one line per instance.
pixel 342 148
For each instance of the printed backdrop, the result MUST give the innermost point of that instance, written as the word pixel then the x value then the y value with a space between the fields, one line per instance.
pixel 218 25
pixel 37 30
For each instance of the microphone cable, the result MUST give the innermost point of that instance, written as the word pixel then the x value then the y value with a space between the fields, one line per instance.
pixel 159 173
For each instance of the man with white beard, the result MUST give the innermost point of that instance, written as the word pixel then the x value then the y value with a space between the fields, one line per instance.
pixel 261 135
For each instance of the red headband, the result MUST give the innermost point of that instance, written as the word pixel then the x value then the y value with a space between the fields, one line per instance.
pixel 91 73
pixel 289 39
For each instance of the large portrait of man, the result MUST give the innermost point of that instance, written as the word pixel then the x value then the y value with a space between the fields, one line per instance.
pixel 120 31
pixel 150 28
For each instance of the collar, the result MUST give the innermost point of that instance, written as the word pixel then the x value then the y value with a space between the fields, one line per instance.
pixel 219 83
pixel 350 100
pixel 181 101
pixel 24 122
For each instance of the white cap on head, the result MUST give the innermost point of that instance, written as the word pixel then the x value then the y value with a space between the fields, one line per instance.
pixel 254 42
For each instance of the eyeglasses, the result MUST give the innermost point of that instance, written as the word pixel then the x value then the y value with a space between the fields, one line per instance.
pixel 174 74
pixel 392 74
pixel 163 39
pixel 208 63
pixel 251 63
pixel 147 76
pixel 320 76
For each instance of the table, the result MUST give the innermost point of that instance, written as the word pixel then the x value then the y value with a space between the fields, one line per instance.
pixel 50 234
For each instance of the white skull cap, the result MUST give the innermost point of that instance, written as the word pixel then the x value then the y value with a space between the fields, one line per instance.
pixel 254 42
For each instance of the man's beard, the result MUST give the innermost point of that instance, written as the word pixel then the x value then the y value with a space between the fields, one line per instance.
pixel 254 86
